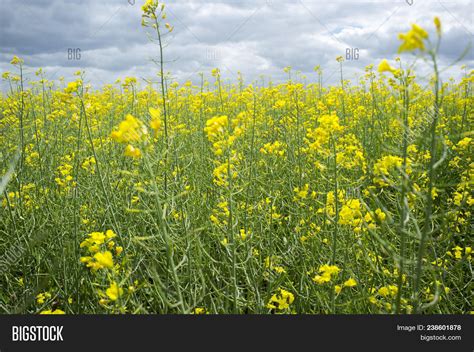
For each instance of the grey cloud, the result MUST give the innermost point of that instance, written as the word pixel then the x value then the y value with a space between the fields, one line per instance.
pixel 253 37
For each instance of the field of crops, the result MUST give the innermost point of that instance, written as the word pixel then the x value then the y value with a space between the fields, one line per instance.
pixel 218 197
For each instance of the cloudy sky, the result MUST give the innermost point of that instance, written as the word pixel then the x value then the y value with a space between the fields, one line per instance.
pixel 257 38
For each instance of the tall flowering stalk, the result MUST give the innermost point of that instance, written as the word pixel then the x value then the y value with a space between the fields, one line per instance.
pixel 415 40
pixel 404 79
pixel 154 16
pixel 433 164
pixel 16 61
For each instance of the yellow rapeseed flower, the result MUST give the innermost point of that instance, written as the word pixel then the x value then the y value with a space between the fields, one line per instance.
pixel 350 283
pixel 114 291
pixel 155 122
pixel 384 66
pixel 437 23
pixel 129 130
pixel 16 60
pixel 104 260
pixel 413 39
pixel 53 312
pixel 281 300
pixel 325 273
pixel 132 152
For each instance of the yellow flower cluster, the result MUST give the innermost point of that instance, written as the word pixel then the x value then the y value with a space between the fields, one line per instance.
pixel 221 173
pixel 16 61
pixel 326 273
pixel 350 213
pixel 102 249
pixel 100 245
pixel 330 206
pixel 155 122
pixel 73 87
pixel 413 39
pixel 89 164
pixel 65 179
pixel 384 296
pixel 351 282
pixel 275 148
pixel 385 167
pixel 216 127
pixel 114 291
pixel 272 264
pixel 303 192
pixel 319 137
pixel 349 153
pixel 384 66
pixel 281 301
pixel 149 7
pixel 52 312
pixel 130 130
pixel 199 311
pixel 459 253
pixel 44 297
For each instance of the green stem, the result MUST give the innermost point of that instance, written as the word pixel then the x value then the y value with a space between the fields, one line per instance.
pixel 429 198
